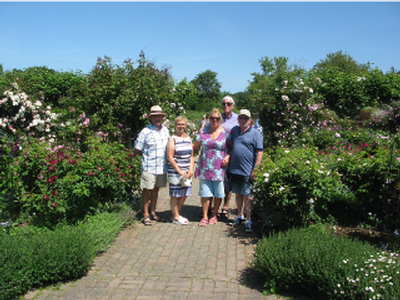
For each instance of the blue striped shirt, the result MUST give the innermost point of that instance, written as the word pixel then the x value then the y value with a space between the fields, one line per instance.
pixel 153 144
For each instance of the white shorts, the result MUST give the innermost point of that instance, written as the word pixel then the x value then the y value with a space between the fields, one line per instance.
pixel 150 181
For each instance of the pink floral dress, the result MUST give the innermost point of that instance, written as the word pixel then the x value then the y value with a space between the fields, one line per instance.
pixel 212 155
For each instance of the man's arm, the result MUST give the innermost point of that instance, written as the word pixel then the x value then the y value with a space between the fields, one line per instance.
pixel 258 161
pixel 137 152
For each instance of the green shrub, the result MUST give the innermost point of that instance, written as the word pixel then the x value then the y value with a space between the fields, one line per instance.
pixel 370 172
pixel 33 257
pixel 314 262
pixel 42 82
pixel 350 183
pixel 296 187
pixel 62 185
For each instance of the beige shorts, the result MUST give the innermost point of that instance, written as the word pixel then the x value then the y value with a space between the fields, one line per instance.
pixel 149 180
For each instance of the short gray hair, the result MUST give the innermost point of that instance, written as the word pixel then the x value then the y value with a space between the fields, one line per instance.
pixel 229 98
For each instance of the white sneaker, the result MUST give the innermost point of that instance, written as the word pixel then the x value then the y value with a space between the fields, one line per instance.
pixel 180 221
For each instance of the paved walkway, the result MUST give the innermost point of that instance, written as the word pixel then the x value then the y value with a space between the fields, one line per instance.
pixel 167 261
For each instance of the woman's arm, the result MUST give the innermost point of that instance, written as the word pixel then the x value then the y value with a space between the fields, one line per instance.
pixel 196 146
pixel 191 167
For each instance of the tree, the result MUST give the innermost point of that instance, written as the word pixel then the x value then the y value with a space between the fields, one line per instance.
pixel 241 99
pixel 117 99
pixel 393 70
pixel 273 66
pixel 283 97
pixel 208 91
pixel 343 62
pixel 275 74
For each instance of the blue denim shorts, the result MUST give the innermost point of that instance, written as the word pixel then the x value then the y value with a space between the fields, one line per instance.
pixel 241 185
pixel 209 189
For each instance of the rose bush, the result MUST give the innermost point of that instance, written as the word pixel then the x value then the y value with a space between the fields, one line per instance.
pixel 296 187
pixel 347 182
pixel 63 184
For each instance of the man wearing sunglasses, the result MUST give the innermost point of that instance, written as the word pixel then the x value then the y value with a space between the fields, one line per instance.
pixel 230 120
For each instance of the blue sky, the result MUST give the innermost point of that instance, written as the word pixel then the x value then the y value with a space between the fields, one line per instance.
pixel 228 38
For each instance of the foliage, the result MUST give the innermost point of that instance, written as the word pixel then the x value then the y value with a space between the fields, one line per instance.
pixel 349 94
pixel 385 119
pixel 370 172
pixel 330 137
pixel 63 184
pixel 343 62
pixel 297 188
pixel 352 177
pixel 21 116
pixel 42 83
pixel 289 99
pixel 315 262
pixel 241 100
pixel 118 98
pixel 31 258
pixel 208 91
pixel 287 104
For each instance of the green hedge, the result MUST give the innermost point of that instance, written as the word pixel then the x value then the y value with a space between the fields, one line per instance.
pixel 33 257
pixel 317 263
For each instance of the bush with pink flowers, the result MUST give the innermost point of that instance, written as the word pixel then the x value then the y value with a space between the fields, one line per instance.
pixel 64 184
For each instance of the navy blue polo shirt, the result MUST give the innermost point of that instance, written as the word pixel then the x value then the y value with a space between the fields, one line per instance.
pixel 244 152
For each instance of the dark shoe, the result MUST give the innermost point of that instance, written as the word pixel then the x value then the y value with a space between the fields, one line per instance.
pixel 156 218
pixel 225 213
pixel 147 222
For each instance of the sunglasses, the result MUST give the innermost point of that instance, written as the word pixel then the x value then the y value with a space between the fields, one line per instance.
pixel 227 103
pixel 244 118
pixel 215 119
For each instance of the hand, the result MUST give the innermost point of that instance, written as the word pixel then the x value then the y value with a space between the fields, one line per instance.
pixel 225 162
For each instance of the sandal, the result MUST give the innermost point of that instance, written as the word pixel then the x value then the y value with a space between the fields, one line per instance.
pixel 180 221
pixel 147 222
pixel 156 218
pixel 186 220
pixel 203 222
pixel 225 213
pixel 213 220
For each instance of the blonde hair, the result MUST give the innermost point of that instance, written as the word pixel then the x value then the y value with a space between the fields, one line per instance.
pixel 180 119
pixel 216 111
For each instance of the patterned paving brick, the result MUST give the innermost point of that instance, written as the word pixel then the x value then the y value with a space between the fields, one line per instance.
pixel 167 261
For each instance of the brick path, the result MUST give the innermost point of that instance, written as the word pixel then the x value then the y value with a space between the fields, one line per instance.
pixel 167 261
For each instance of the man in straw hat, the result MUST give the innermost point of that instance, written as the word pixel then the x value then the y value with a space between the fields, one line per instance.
pixel 151 144
pixel 246 155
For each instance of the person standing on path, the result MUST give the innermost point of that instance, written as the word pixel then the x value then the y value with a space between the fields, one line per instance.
pixel 151 144
pixel 211 165
pixel 246 154
pixel 204 122
pixel 230 120
pixel 180 169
